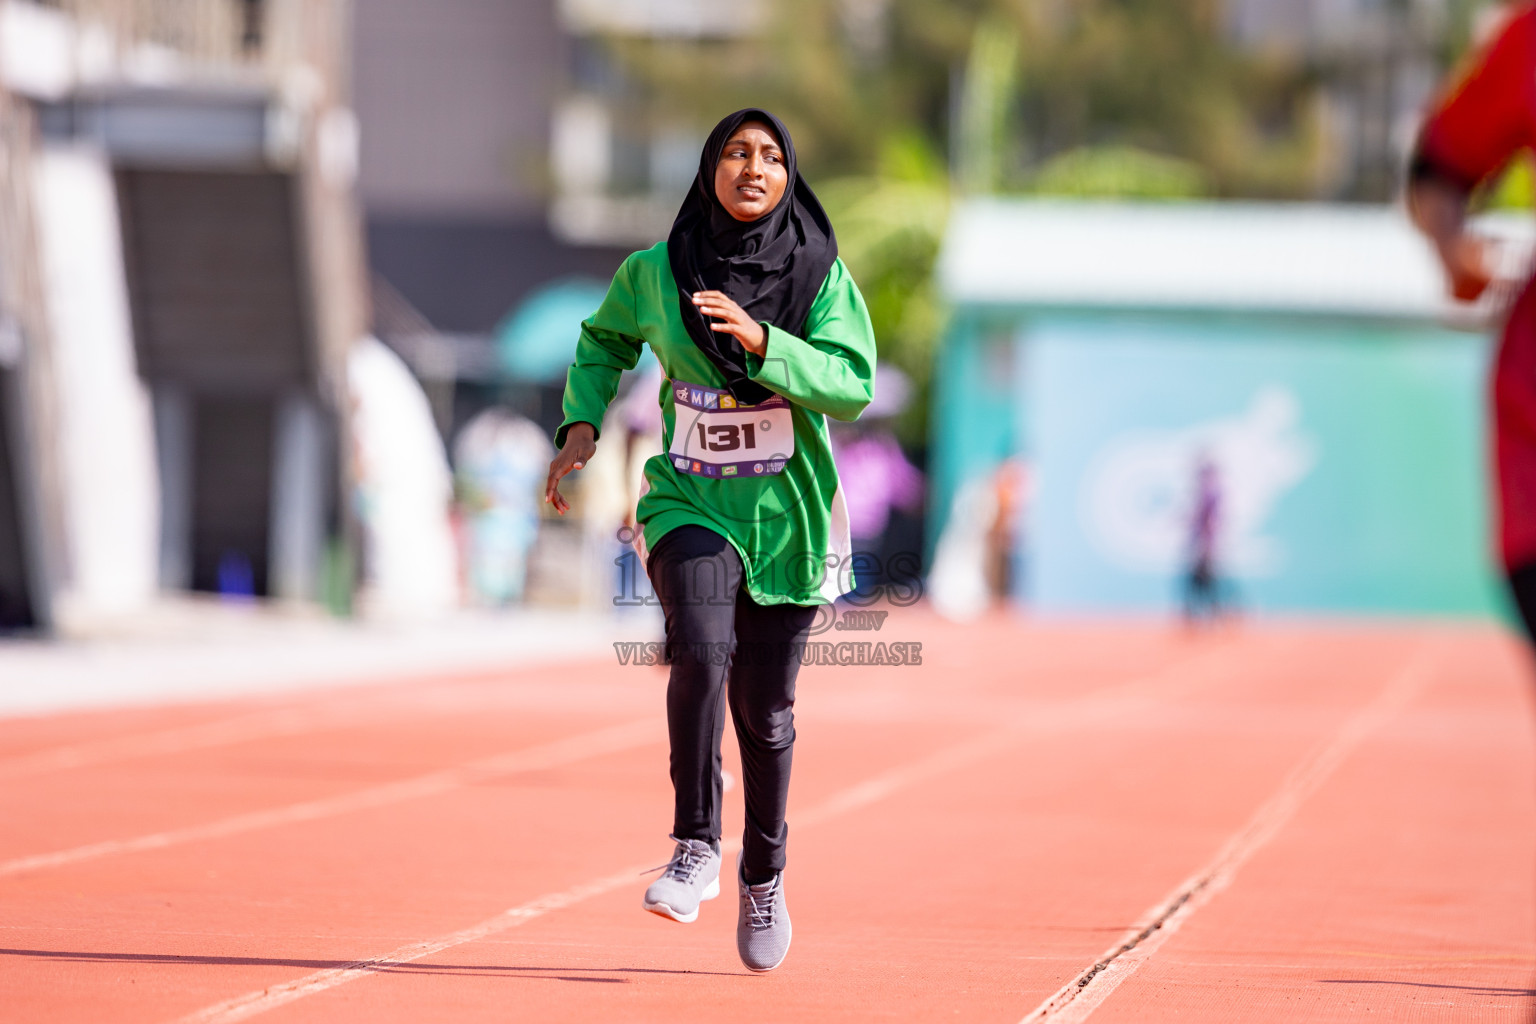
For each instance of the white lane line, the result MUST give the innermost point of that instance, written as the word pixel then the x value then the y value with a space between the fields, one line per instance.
pixel 222 732
pixel 1125 698
pixel 1121 701
pixel 865 793
pixel 1179 675
pixel 253 1003
pixel 393 701
pixel 1075 1001
pixel 328 711
pixel 612 739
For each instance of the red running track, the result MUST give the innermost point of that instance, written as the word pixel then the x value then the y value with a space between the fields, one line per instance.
pixel 1054 823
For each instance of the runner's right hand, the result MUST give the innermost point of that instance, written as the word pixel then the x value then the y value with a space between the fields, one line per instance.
pixel 1440 211
pixel 579 448
pixel 1469 265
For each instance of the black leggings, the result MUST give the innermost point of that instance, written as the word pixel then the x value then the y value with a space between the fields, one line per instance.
pixel 1522 585
pixel 715 633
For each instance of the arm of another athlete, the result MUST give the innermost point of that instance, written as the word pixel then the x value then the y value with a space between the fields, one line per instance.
pixel 610 343
pixel 1439 210
pixel 1471 132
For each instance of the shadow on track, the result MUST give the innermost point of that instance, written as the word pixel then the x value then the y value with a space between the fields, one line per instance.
pixel 414 967
pixel 1487 990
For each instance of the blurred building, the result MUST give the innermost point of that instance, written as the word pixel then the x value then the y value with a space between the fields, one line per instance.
pixel 620 162
pixel 504 146
pixel 1308 352
pixel 182 277
pixel 507 168
pixel 509 164
pixel 461 109
pixel 461 104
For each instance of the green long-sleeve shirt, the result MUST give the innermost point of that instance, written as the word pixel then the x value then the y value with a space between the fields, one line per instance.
pixel 791 526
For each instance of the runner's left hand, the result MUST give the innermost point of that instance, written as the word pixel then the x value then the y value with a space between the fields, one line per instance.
pixel 722 307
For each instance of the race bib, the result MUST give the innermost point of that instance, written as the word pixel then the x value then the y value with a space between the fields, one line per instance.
pixel 713 435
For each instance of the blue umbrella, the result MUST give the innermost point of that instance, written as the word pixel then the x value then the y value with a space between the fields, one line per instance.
pixel 537 341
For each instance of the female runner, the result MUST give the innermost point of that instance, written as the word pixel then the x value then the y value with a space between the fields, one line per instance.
pixel 761 334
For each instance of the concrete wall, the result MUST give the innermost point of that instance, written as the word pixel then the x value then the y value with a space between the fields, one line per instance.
pixel 106 435
pixel 454 101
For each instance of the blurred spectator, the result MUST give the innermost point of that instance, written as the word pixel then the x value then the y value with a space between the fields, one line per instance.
pixel 1005 539
pixel 499 460
pixel 876 476
pixel 586 559
pixel 640 413
pixel 1202 585
pixel 974 560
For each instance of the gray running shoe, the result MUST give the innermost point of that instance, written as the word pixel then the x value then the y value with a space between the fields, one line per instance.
pixel 762 930
pixel 691 876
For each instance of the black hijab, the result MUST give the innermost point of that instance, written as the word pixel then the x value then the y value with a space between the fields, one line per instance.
pixel 772 267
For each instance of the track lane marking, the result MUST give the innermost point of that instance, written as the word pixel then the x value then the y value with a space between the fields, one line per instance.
pixel 635 733
pixel 1124 698
pixel 250 1004
pixel 182 739
pixel 609 740
pixel 1076 1001
pixel 291 722
pixel 320 712
pixel 863 794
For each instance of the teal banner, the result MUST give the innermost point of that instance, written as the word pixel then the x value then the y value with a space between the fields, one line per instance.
pixel 1350 463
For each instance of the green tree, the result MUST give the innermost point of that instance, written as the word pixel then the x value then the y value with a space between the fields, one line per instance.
pixel 889 228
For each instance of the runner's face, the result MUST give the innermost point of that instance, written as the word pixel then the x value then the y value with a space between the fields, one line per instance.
pixel 751 176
